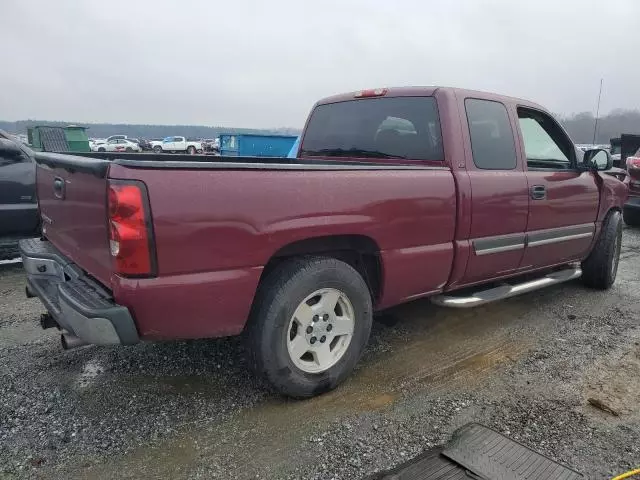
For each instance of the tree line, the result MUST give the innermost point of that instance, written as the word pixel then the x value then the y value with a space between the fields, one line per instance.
pixel 580 127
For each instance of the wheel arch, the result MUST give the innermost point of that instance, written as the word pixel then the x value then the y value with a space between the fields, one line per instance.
pixel 360 251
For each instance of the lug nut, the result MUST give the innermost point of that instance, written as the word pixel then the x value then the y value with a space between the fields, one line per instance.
pixel 313 340
pixel 309 329
pixel 329 327
pixel 323 339
pixel 325 317
pixel 316 318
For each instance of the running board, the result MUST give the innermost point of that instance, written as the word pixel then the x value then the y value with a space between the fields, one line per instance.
pixel 505 291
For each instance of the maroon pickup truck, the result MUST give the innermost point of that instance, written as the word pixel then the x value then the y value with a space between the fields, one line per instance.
pixel 396 194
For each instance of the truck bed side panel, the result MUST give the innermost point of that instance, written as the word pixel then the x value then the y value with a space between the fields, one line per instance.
pixel 214 224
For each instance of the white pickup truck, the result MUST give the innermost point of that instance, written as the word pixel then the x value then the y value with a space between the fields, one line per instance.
pixel 177 144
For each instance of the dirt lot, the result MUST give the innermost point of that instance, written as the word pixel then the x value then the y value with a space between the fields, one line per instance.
pixel 526 366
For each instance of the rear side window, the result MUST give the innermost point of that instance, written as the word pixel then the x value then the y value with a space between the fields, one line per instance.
pixel 394 127
pixel 492 141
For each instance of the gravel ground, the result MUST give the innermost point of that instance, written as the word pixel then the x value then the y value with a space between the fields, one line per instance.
pixel 526 366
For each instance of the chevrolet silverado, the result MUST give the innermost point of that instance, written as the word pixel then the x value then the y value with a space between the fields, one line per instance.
pixel 396 194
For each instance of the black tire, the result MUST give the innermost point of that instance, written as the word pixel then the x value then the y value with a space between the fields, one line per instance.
pixel 128 149
pixel 157 149
pixel 191 150
pixel 276 300
pixel 102 149
pixel 631 217
pixel 601 266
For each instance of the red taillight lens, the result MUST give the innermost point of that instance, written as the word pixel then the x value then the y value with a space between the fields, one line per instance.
pixel 130 229
pixel 633 162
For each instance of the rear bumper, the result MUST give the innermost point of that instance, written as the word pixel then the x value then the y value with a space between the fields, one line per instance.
pixel 78 303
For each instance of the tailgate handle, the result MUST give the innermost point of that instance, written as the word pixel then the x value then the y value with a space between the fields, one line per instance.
pixel 58 188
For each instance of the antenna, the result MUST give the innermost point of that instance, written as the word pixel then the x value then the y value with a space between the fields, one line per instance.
pixel 595 126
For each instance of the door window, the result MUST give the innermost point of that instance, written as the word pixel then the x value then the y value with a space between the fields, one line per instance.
pixel 545 143
pixel 492 143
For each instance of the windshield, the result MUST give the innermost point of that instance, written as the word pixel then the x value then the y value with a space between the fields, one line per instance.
pixel 396 127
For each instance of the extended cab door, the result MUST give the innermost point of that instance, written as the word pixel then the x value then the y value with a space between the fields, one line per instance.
pixel 18 206
pixel 563 199
pixel 500 200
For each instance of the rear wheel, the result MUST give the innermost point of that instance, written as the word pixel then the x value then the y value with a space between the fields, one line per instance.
pixel 191 150
pixel 157 149
pixel 631 217
pixel 102 149
pixel 310 322
pixel 600 268
pixel 128 149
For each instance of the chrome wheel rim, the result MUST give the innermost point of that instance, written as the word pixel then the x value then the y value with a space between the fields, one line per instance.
pixel 320 330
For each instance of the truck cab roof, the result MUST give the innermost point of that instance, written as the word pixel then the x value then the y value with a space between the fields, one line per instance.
pixel 425 91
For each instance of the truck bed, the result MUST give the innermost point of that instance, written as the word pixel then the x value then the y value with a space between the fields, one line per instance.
pixel 218 222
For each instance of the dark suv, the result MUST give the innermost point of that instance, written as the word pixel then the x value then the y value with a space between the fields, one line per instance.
pixel 19 217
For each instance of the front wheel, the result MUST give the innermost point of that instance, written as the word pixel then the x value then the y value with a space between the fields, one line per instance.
pixel 128 149
pixel 191 150
pixel 310 322
pixel 102 149
pixel 600 268
pixel 157 149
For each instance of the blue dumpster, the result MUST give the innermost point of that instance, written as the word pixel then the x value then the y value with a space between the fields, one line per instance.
pixel 249 145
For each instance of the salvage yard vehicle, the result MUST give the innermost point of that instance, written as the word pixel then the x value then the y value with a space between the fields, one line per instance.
pixel 119 145
pixel 19 216
pixel 178 144
pixel 396 194
pixel 631 210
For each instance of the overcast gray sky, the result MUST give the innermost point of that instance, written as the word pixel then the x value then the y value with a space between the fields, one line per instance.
pixel 264 63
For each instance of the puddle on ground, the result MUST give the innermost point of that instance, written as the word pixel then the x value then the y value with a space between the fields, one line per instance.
pixel 437 349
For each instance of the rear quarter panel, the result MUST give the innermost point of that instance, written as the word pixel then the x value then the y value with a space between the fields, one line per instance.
pixel 216 229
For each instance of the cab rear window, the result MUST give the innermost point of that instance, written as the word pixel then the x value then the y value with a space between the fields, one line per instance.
pixel 394 127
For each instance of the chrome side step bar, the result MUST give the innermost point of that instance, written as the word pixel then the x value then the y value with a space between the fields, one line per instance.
pixel 505 291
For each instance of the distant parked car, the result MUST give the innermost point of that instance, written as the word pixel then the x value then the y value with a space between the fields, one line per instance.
pixel 95 144
pixel 116 137
pixel 145 145
pixel 119 145
pixel 178 144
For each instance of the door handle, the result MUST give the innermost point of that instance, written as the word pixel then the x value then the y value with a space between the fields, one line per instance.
pixel 538 192
pixel 58 188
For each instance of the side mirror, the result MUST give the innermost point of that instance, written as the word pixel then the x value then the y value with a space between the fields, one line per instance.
pixel 597 159
pixel 9 148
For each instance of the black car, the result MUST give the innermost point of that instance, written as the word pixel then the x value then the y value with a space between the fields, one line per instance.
pixel 19 216
pixel 145 145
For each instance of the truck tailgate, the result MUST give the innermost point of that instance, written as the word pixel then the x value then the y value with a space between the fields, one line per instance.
pixel 72 192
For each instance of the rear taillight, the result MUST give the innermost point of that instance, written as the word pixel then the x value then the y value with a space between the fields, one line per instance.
pixel 633 162
pixel 130 230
